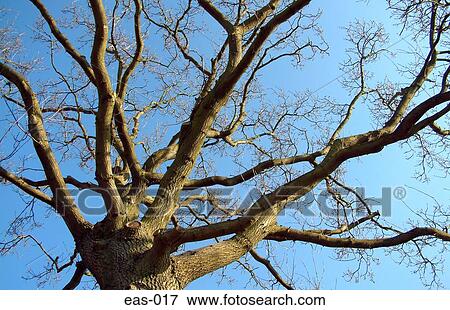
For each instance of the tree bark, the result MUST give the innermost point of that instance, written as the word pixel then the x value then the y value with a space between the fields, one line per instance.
pixel 128 260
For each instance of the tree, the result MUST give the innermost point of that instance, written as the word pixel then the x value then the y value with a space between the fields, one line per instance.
pixel 141 65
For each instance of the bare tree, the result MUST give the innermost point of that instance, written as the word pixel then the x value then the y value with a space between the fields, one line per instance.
pixel 205 109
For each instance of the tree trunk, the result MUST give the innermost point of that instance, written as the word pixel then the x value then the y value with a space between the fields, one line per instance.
pixel 122 261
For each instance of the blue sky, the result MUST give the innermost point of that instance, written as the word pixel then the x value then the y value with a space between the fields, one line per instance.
pixel 309 264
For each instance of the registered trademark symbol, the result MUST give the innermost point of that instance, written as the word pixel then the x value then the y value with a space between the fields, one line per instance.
pixel 400 193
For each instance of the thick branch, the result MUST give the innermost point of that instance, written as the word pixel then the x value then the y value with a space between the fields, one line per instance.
pixel 137 53
pixel 104 115
pixel 259 15
pixel 64 204
pixel 120 119
pixel 26 187
pixel 216 14
pixel 72 51
pixel 286 234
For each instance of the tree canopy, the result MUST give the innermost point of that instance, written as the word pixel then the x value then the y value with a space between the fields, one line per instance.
pixel 167 111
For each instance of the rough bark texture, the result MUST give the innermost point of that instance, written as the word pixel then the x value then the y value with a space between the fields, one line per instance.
pixel 117 262
pixel 127 250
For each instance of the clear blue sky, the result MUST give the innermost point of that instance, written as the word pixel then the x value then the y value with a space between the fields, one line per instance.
pixel 388 169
